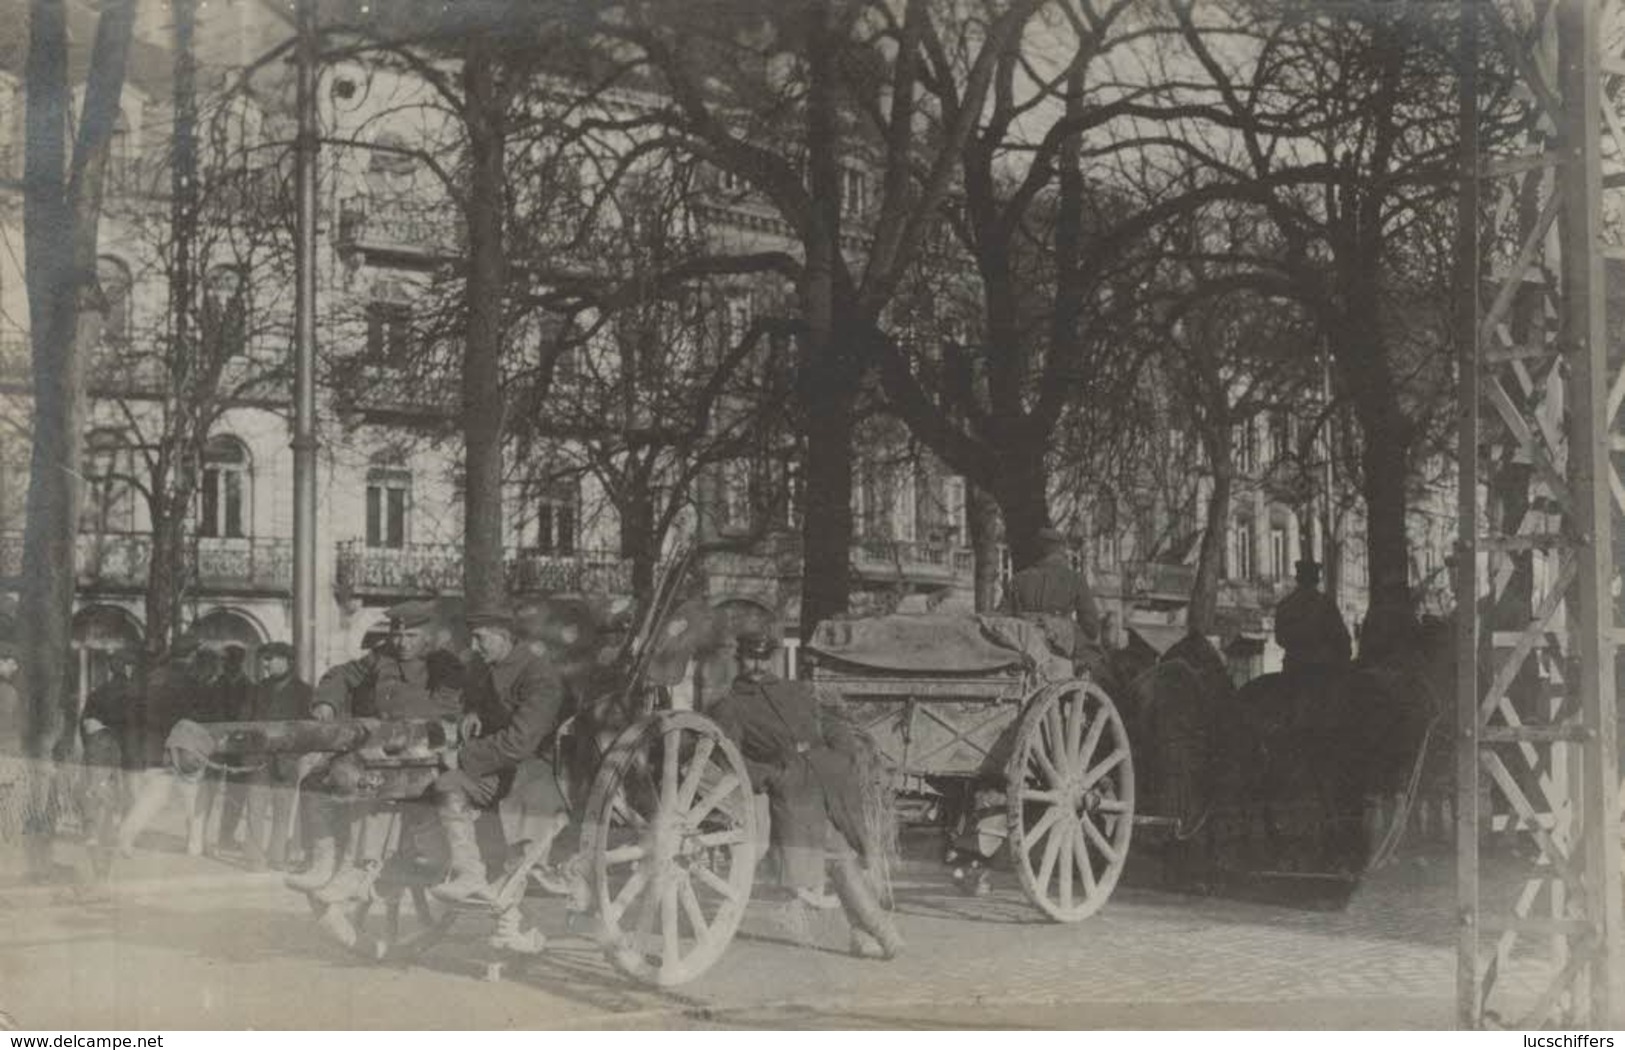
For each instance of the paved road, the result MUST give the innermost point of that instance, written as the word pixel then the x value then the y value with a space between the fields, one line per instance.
pixel 241 952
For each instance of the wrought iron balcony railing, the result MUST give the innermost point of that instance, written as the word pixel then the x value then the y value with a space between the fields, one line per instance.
pixel 122 561
pixel 437 568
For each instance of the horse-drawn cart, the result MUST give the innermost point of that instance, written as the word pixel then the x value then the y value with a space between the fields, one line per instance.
pixel 969 702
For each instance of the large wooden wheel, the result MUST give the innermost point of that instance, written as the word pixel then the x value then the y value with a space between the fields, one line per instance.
pixel 1071 799
pixel 670 841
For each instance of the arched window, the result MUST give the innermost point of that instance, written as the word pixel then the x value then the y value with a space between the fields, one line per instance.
pixel 223 493
pixel 113 277
pixel 389 501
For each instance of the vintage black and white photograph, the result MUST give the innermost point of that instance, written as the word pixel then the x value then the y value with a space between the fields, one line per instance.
pixel 810 514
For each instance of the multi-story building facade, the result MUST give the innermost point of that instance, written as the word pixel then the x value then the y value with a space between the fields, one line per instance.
pixel 389 504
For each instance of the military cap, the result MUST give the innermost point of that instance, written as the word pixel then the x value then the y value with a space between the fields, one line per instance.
pixel 755 645
pixel 491 616
pixel 1051 536
pixel 282 649
pixel 411 614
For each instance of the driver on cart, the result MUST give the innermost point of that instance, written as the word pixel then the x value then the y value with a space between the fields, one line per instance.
pixel 1309 627
pixel 1053 593
pixel 513 702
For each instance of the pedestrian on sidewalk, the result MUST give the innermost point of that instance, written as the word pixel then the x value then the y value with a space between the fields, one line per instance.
pixel 278 696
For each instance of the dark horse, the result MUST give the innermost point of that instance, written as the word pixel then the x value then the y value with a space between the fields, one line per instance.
pixel 1275 775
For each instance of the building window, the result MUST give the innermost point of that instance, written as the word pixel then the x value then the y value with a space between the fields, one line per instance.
pixel 556 525
pixel 734 510
pixel 1246 454
pixel 1239 551
pixel 113 277
pixel 13 486
pixel 223 492
pixel 389 500
pixel 1279 560
pixel 389 332
pixel 1280 437
pixel 854 192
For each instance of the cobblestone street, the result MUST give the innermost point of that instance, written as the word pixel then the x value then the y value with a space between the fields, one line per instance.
pixel 224 949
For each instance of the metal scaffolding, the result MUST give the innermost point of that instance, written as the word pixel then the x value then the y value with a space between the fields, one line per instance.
pixel 1543 207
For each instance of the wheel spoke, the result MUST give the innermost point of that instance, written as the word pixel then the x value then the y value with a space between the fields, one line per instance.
pixel 1074 728
pixel 1107 764
pixel 697 766
pixel 624 854
pixel 670 943
pixel 629 893
pixel 1043 826
pixel 1055 731
pixel 1046 867
pixel 671 744
pixel 1045 766
pixel 725 837
pixel 716 882
pixel 1081 853
pixel 648 911
pixel 620 807
pixel 695 913
pixel 1106 848
pixel 1112 805
pixel 1087 750
pixel 713 798
pixel 1037 795
pixel 1067 837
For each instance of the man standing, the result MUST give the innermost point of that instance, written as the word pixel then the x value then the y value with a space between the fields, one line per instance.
pixel 808 766
pixel 279 696
pixel 514 701
pixel 1057 596
pixel 105 727
pixel 411 676
pixel 1310 629
pixel 233 704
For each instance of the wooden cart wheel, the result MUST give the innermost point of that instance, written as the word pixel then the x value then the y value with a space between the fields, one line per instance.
pixel 1071 799
pixel 670 840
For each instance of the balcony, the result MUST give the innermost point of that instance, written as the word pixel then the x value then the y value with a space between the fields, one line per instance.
pixel 401 230
pixel 909 561
pixel 121 562
pixel 1159 581
pixel 437 568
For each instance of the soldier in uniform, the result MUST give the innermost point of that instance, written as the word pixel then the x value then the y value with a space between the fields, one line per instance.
pixel 411 677
pixel 515 701
pixel 808 766
pixel 1056 595
pixel 234 688
pixel 1310 629
pixel 278 696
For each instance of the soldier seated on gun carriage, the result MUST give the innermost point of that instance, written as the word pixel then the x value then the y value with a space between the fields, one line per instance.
pixel 808 767
pixel 412 676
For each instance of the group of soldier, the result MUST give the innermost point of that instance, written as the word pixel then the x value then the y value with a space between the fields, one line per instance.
pixel 507 697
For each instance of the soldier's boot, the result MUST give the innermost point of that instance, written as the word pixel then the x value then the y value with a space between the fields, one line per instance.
pixel 511 935
pixel 324 862
pixel 369 838
pixel 863 908
pixel 466 883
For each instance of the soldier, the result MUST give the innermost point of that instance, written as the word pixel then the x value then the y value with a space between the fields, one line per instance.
pixel 105 726
pixel 412 676
pixel 515 699
pixel 808 766
pixel 1310 629
pixel 234 688
pixel 1056 595
pixel 278 696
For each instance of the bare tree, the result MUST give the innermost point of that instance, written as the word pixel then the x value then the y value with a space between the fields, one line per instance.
pixel 62 199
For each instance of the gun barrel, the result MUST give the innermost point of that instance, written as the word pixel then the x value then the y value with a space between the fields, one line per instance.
pixel 418 735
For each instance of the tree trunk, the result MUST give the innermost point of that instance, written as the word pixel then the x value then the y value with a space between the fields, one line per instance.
pixel 62 207
pixel 826 525
pixel 1204 602
pixel 982 519
pixel 1022 489
pixel 484 578
pixel 166 574
pixel 638 534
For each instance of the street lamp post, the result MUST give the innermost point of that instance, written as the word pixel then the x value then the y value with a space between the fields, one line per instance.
pixel 304 365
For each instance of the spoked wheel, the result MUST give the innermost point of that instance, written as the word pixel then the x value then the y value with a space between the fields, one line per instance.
pixel 1071 799
pixel 670 839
